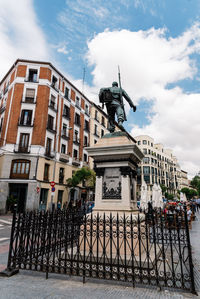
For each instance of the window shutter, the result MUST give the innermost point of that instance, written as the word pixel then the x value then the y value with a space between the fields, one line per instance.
pixel 30 93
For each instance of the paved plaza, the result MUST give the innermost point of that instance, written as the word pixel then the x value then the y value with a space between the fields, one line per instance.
pixel 29 284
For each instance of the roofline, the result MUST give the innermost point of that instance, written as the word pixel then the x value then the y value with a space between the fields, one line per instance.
pixel 47 63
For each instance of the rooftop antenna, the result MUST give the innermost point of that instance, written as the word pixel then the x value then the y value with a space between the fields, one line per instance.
pixel 83 80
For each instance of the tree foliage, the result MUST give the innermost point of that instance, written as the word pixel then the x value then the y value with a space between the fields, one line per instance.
pixel 84 174
pixel 195 183
pixel 190 193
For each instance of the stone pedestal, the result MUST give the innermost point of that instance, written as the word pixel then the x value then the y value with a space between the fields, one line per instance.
pixel 116 157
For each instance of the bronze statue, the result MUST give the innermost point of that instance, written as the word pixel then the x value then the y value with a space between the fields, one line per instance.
pixel 112 97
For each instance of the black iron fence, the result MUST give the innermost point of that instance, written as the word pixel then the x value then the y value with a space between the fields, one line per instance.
pixel 152 248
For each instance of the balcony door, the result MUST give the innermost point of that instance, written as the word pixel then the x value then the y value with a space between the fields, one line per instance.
pixel 24 142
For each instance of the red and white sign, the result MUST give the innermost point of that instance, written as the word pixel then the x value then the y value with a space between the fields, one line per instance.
pixel 52 184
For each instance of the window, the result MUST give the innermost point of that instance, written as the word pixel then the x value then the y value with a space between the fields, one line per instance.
pixel 43 196
pixel 144 151
pixel 144 142
pixel 102 133
pixel 30 95
pixel 85 141
pixel 152 170
pixel 147 179
pixel 77 119
pixel 63 148
pixel 1 124
pixel 85 158
pixel 53 102
pixel 54 83
pixel 95 130
pixel 87 109
pixel 96 115
pixel 152 144
pixel 76 139
pixel 139 171
pixel 48 146
pixel 46 172
pixel 61 175
pixel 32 76
pixel 60 196
pixel 23 142
pixel 77 102
pixel 146 160
pixel 66 111
pixel 103 121
pixel 95 141
pixel 64 130
pixel 26 117
pixel 139 142
pixel 20 169
pixel 75 155
pixel 146 169
pixel 86 127
pixel 149 152
pixel 50 122
pixel 66 93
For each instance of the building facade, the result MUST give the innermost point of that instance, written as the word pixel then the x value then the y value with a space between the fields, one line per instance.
pixel 44 129
pixel 158 166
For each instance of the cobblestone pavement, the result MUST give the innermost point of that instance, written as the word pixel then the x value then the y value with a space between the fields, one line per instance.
pixel 29 284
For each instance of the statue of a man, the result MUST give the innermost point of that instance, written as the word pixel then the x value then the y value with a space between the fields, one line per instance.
pixel 112 97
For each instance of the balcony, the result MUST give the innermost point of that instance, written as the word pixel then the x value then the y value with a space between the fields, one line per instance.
pixel 54 85
pixel 31 79
pixel 6 89
pixel 64 157
pixel 52 106
pixel 18 148
pixel 64 135
pixel 3 108
pixel 75 161
pixel 66 115
pixel 76 140
pixel 87 113
pixel 96 133
pixel 87 129
pixel 51 129
pixel 22 123
pixel 49 153
pixel 78 106
pixel 29 100
pixel 66 96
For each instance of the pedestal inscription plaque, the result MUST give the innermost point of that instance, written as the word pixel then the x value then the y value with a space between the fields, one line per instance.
pixel 112 183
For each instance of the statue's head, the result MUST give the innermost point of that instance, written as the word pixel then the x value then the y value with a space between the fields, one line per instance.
pixel 115 84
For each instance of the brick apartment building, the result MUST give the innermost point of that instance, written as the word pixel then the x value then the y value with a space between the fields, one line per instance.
pixel 44 129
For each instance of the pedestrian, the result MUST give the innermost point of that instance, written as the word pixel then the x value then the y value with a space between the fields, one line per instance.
pixel 189 216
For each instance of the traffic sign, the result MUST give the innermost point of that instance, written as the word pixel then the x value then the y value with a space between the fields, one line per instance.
pixel 52 184
pixel 53 189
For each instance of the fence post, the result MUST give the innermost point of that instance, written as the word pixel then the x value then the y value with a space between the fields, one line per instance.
pixel 193 291
pixel 9 271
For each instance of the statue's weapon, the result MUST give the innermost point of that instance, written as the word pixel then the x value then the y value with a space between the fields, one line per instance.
pixel 121 99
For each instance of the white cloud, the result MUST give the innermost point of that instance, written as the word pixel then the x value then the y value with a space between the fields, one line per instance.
pixel 149 61
pixel 20 34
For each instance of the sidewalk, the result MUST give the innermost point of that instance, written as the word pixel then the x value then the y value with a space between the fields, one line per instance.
pixel 30 284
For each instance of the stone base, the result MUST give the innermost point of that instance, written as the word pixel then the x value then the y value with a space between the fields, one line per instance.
pixel 9 272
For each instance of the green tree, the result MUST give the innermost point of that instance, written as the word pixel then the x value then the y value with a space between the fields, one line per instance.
pixel 190 193
pixel 164 188
pixel 82 175
pixel 195 183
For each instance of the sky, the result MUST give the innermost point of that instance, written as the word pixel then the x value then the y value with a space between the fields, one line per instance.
pixel 156 44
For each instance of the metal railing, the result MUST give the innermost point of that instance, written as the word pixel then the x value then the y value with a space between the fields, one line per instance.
pixel 153 250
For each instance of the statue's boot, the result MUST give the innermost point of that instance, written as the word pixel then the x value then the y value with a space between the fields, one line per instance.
pixel 120 125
